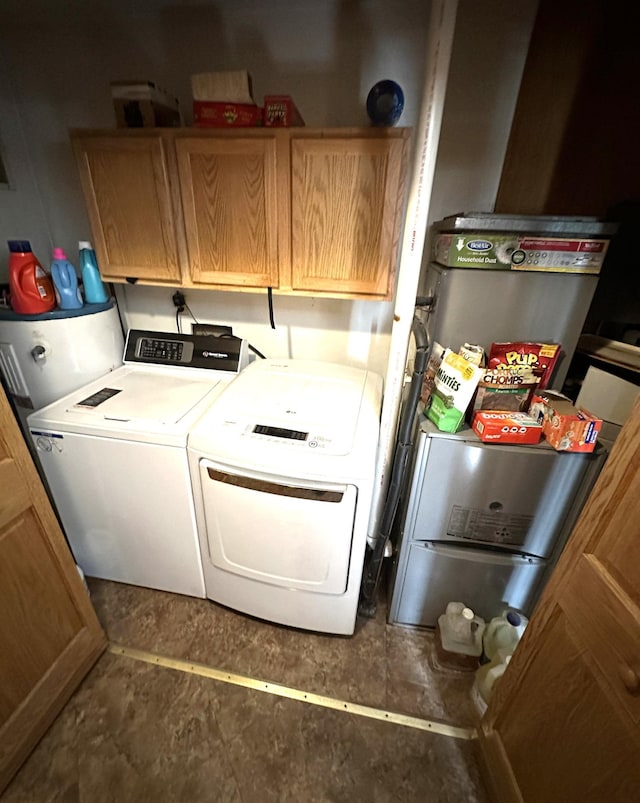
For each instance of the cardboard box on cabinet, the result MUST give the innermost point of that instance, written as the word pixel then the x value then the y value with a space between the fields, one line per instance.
pixel 143 104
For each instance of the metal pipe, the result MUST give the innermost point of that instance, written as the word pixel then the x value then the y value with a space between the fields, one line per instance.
pixel 373 568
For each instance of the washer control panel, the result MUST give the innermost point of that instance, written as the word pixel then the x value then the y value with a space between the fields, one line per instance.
pixel 164 350
pixel 218 353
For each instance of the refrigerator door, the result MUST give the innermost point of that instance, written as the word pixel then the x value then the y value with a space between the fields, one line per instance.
pixel 487 306
pixel 431 575
pixel 515 497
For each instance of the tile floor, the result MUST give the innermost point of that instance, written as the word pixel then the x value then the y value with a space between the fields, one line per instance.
pixel 138 732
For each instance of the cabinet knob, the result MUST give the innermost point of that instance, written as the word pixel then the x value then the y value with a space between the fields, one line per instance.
pixel 630 678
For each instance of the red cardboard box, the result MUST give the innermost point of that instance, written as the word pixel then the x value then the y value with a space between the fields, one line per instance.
pixel 565 427
pixel 280 110
pixel 226 115
pixel 506 427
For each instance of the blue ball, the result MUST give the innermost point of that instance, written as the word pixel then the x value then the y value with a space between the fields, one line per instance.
pixel 385 103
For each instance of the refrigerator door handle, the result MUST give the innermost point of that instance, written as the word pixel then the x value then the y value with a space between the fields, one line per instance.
pixel 492 556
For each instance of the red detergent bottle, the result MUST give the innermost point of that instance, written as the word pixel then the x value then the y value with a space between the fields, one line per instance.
pixel 30 287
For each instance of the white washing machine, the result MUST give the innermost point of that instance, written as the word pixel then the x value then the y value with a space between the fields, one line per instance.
pixel 283 466
pixel 114 456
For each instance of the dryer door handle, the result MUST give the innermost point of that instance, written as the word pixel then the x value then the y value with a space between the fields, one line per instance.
pixel 276 488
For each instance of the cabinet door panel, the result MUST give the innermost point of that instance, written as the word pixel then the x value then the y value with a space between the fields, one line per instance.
pixel 562 737
pixel 49 634
pixel 230 209
pixel 346 196
pixel 128 194
pixel 575 678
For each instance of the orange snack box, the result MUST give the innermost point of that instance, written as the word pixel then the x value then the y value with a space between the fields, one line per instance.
pixel 565 427
pixel 506 427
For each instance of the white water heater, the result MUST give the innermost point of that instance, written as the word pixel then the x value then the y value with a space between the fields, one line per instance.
pixel 44 357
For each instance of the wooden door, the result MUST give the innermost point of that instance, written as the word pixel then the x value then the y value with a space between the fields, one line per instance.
pixel 564 723
pixel 347 195
pixel 128 193
pixel 49 634
pixel 574 137
pixel 230 206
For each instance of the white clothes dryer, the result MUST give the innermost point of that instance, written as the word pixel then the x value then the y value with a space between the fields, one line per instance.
pixel 283 466
pixel 114 456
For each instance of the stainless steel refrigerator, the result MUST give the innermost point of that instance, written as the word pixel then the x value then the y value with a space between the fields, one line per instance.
pixel 485 523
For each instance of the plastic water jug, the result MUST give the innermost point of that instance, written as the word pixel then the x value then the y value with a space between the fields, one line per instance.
pixel 489 674
pixel 94 289
pixel 30 288
pixel 461 630
pixel 65 281
pixel 503 633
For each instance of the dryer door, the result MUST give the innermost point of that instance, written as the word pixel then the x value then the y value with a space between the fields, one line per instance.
pixel 278 530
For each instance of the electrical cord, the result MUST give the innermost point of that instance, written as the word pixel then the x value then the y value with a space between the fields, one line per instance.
pixel 251 348
pixel 188 308
pixel 270 301
pixel 255 351
pixel 178 321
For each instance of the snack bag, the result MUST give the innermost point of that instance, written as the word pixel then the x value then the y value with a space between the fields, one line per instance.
pixel 540 357
pixel 507 390
pixel 473 353
pixel 433 363
pixel 454 385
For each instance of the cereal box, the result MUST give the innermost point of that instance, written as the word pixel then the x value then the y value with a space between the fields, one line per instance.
pixel 506 427
pixel 565 427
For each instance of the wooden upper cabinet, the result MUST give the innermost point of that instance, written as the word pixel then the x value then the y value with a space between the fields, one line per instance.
pixel 126 184
pixel 305 211
pixel 347 195
pixel 228 187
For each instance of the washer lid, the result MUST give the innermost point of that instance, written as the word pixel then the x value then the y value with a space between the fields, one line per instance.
pixel 141 397
pixel 134 402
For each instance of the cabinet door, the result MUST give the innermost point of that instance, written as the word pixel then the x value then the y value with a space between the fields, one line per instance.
pixel 126 185
pixel 228 187
pixel 574 680
pixel 49 633
pixel 346 198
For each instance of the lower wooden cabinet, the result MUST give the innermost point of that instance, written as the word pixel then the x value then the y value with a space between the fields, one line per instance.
pixel 49 633
pixel 304 211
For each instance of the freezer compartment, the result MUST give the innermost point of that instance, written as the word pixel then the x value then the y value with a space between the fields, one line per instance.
pixel 278 530
pixel 515 497
pixel 431 575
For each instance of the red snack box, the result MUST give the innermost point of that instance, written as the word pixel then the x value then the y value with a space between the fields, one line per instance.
pixel 209 113
pixel 565 427
pixel 506 427
pixel 280 110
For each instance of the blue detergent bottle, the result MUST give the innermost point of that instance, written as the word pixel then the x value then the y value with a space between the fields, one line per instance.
pixel 94 290
pixel 65 281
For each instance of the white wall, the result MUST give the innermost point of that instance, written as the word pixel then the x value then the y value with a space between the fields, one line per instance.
pixel 487 63
pixel 60 58
pixel 22 214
